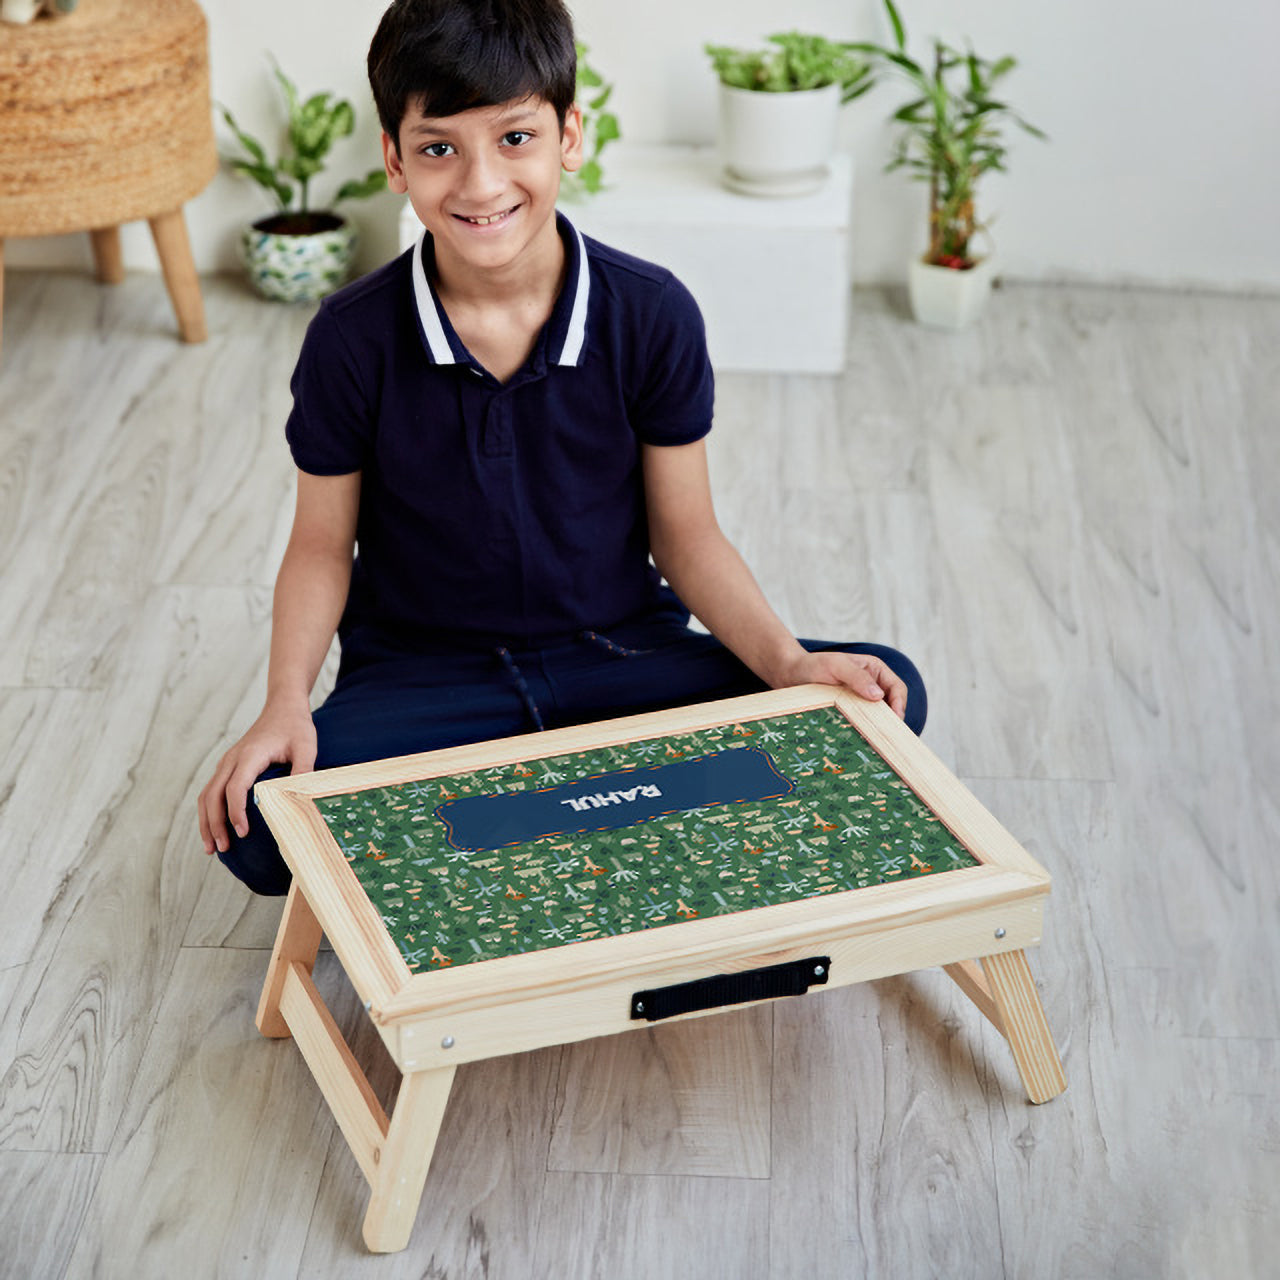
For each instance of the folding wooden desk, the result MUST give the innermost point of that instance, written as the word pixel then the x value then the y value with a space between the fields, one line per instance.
pixel 538 890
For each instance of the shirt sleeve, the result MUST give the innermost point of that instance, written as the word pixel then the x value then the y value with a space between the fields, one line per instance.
pixel 677 388
pixel 330 428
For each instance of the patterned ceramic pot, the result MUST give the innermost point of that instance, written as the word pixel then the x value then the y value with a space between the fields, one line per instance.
pixel 288 264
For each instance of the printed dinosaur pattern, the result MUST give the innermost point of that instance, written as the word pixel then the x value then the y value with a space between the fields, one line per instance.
pixel 850 823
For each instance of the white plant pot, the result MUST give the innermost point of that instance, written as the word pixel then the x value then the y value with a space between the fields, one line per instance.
pixel 945 298
pixel 777 144
pixel 19 11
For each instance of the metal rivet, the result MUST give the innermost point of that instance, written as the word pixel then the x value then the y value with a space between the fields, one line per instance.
pixel 447 1043
pixel 818 971
pixel 639 1006
pixel 999 933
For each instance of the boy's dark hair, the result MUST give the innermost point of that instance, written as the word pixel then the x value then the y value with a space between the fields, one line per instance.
pixel 446 56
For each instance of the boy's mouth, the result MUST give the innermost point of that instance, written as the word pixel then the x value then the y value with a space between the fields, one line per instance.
pixel 487 220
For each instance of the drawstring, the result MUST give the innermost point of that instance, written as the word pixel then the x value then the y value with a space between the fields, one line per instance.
pixel 522 686
pixel 618 650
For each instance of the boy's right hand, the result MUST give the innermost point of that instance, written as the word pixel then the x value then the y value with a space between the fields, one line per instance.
pixel 280 735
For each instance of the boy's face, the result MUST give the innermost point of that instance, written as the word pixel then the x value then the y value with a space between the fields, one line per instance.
pixel 484 182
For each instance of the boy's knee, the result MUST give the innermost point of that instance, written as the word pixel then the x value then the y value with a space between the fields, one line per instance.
pixel 254 859
pixel 901 666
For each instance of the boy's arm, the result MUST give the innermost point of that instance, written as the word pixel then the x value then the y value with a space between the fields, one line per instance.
pixel 311 591
pixel 713 581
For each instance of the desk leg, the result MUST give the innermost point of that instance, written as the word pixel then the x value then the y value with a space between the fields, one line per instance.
pixel 1 289
pixel 169 231
pixel 108 258
pixel 1005 992
pixel 297 941
pixel 406 1157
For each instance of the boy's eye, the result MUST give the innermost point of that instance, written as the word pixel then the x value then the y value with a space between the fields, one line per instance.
pixel 437 149
pixel 516 138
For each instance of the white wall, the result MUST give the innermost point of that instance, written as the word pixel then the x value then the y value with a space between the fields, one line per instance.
pixel 1164 121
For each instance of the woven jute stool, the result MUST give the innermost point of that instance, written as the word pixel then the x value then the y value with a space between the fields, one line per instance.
pixel 104 119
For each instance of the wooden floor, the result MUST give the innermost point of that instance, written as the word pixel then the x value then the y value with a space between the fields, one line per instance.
pixel 1070 516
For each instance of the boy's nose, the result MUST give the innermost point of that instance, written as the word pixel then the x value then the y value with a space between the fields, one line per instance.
pixel 482 180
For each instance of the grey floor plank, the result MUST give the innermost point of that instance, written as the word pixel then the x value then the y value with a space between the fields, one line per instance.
pixel 881 1150
pixel 631 1227
pixel 215 1166
pixel 109 936
pixel 687 1098
pixel 43 1199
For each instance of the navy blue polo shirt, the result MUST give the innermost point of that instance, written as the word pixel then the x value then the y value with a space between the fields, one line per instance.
pixel 501 513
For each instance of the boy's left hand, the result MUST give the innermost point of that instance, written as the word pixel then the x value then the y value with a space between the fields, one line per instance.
pixel 866 675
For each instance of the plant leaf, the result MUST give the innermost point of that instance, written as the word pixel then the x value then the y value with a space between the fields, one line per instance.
pixel 343 119
pixel 899 31
pixel 607 129
pixel 362 188
pixel 288 87
pixel 250 144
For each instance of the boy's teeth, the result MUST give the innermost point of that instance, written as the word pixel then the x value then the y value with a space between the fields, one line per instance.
pixel 484 222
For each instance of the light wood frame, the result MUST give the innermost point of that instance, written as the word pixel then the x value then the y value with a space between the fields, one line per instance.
pixel 974 921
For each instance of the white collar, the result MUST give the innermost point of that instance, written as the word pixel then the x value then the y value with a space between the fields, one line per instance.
pixel 429 309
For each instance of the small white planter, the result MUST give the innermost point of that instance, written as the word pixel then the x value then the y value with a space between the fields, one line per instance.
pixel 945 298
pixel 297 268
pixel 777 144
pixel 19 11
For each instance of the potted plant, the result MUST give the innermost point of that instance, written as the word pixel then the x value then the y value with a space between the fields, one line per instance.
pixel 778 110
pixel 599 129
pixel 952 133
pixel 298 253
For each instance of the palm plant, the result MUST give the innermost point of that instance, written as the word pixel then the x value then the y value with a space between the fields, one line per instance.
pixel 952 133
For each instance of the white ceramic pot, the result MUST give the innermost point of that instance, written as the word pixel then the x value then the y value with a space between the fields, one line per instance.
pixel 297 268
pixel 945 298
pixel 19 11
pixel 777 144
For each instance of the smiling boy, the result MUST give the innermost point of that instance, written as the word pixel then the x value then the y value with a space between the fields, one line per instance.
pixel 498 437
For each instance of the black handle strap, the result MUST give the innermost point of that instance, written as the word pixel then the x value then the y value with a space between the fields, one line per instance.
pixel 791 979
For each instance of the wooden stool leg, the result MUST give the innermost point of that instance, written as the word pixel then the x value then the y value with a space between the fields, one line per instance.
pixel 107 256
pixel 406 1157
pixel 297 941
pixel 1017 1003
pixel 169 231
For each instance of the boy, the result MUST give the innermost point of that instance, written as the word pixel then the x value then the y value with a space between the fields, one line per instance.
pixel 503 424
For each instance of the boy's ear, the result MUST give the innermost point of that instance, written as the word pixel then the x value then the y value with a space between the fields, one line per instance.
pixel 571 140
pixel 395 169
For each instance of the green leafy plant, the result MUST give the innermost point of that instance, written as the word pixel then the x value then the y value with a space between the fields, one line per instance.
pixel 952 133
pixel 599 127
pixel 795 63
pixel 313 126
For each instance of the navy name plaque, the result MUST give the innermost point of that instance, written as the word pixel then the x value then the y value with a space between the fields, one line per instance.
pixel 610 801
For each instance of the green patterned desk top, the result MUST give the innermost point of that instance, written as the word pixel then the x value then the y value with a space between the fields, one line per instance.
pixel 849 822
